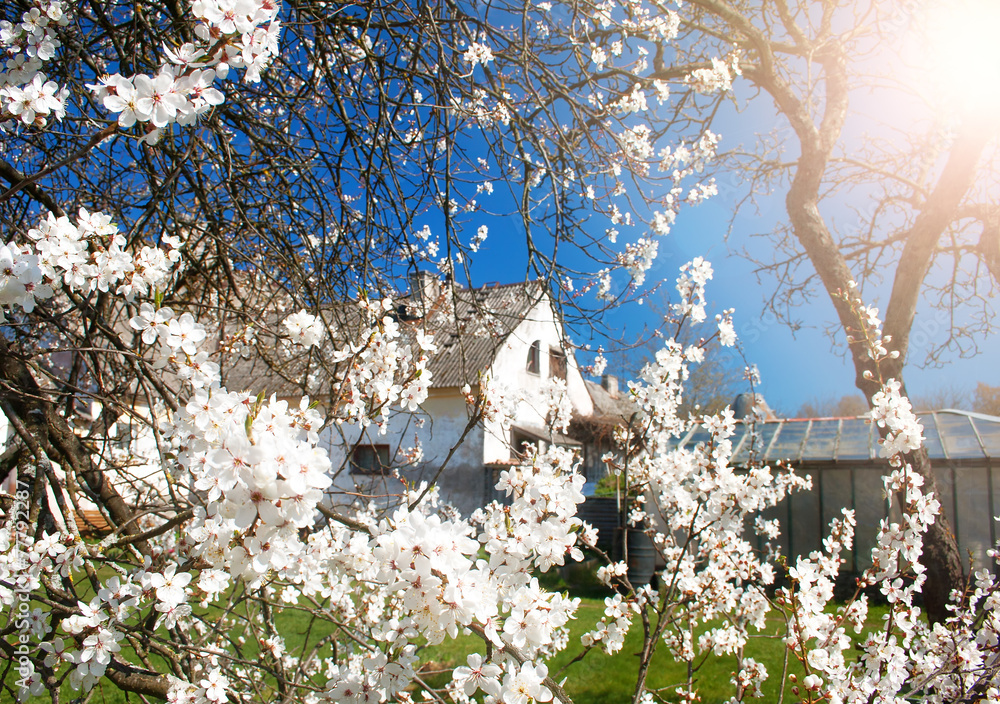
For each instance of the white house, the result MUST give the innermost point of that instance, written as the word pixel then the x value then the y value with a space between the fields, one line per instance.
pixel 508 333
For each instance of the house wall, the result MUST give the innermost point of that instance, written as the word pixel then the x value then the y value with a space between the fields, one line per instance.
pixel 437 429
pixel 443 418
pixel 510 368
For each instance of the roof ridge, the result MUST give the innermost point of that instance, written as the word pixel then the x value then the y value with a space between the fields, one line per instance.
pixel 496 284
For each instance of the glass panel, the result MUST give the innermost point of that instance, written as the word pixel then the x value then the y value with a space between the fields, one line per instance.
pixel 534 358
pixel 958 436
pixel 855 440
pixel 822 440
pixel 740 437
pixel 806 529
pixel 932 441
pixel 370 459
pixel 699 435
pixel 789 442
pixel 557 364
pixel 835 488
pixel 761 439
pixel 869 510
pixel 989 431
pixel 972 495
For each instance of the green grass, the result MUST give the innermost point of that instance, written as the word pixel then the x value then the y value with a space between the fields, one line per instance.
pixel 610 679
pixel 597 679
pixel 600 678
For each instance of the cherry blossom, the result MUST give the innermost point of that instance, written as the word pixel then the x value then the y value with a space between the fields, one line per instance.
pixel 478 676
pixel 305 329
pixel 25 93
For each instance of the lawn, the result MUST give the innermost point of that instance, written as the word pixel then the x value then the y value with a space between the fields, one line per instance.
pixel 597 679
pixel 607 679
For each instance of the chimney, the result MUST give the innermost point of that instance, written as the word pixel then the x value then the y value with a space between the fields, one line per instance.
pixel 609 382
pixel 425 288
pixel 747 404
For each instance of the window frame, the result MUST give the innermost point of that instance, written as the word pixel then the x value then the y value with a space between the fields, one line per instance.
pixel 518 440
pixel 379 453
pixel 534 363
pixel 558 363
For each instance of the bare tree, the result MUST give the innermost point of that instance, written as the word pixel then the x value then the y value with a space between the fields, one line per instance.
pixel 920 202
pixel 843 407
pixel 941 398
pixel 987 399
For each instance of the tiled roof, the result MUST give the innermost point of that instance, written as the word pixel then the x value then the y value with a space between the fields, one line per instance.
pixel 547 436
pixel 290 378
pixel 484 318
pixel 467 340
pixel 619 407
pixel 91 523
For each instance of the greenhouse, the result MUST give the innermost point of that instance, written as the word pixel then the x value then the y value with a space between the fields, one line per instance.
pixel 842 457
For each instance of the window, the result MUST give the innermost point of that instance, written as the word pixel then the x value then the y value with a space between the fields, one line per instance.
pixel 522 445
pixel 534 365
pixel 557 364
pixel 370 459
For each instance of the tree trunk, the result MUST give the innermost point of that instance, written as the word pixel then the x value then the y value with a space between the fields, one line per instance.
pixel 941 556
pixel 30 407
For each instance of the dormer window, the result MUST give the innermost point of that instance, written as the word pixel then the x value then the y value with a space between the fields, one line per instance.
pixel 557 364
pixel 534 365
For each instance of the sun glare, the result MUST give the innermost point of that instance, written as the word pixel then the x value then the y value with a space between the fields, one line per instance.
pixel 959 48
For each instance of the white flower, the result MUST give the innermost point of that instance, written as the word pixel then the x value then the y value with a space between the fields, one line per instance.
pixel 727 334
pixel 691 286
pixel 521 686
pixel 305 329
pixel 598 56
pixel 120 96
pixel 157 99
pixel 480 237
pixel 478 675
pixel 98 649
pixel 151 322
pixel 711 80
pixel 215 686
pixel 185 334
pixel 11 287
pixel 478 54
pixel 170 585
pixel 171 612
pixel 812 682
